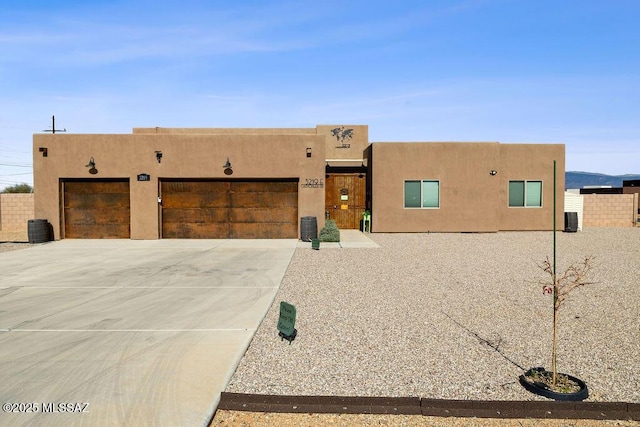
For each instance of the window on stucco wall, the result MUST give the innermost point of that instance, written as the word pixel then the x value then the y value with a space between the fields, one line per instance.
pixel 527 194
pixel 422 194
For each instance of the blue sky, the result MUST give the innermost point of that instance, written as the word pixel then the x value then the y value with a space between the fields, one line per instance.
pixel 560 71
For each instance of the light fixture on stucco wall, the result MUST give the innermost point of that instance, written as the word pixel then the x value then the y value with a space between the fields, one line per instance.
pixel 227 168
pixel 159 156
pixel 493 172
pixel 92 166
pixel 44 151
pixel 308 151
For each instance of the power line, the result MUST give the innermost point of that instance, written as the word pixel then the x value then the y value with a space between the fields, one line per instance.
pixel 16 166
pixel 10 183
pixel 16 174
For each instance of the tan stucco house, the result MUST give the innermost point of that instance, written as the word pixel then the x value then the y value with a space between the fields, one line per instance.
pixel 258 183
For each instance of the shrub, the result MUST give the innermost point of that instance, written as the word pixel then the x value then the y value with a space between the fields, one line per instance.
pixel 330 232
pixel 18 188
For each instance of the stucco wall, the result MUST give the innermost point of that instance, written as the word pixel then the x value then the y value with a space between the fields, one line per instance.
pixel 183 156
pixel 469 195
pixel 610 210
pixel 15 211
pixel 342 141
pixel 531 162
pixel 471 198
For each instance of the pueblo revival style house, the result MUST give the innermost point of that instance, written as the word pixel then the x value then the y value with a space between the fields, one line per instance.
pixel 259 183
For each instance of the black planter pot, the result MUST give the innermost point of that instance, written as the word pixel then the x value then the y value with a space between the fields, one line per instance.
pixel 541 390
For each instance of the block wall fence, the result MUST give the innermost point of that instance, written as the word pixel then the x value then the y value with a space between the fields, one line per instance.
pixel 610 210
pixel 16 209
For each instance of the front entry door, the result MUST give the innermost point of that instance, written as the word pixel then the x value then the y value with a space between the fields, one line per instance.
pixel 345 199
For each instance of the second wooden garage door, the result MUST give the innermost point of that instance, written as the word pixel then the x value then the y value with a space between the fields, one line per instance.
pixel 229 209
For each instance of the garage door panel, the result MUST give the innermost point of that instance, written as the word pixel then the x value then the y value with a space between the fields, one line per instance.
pixel 191 187
pixel 88 216
pixel 97 231
pixel 194 215
pixel 255 199
pixel 91 187
pixel 262 215
pixel 262 187
pixel 195 200
pixel 96 201
pixel 178 230
pixel 263 231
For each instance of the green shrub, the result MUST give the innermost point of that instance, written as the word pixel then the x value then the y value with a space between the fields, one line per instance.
pixel 330 232
pixel 18 188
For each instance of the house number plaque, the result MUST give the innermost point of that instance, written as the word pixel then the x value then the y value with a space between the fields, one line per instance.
pixel 313 183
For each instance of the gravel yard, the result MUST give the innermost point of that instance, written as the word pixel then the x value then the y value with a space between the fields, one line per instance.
pixel 13 240
pixel 452 316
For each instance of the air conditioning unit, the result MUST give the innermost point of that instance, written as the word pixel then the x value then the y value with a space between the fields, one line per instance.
pixel 571 222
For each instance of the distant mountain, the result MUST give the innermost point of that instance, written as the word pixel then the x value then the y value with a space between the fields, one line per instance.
pixel 580 179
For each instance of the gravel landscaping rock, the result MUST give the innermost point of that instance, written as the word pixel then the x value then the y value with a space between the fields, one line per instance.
pixel 451 316
pixel 13 240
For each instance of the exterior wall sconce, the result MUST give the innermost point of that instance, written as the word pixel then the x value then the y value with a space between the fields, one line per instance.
pixel 92 166
pixel 493 172
pixel 308 151
pixel 44 151
pixel 227 168
pixel 159 156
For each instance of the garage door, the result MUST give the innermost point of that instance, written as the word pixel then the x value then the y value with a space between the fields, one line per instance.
pixel 96 209
pixel 229 209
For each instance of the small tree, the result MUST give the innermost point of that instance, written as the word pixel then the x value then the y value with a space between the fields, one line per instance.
pixel 18 188
pixel 560 286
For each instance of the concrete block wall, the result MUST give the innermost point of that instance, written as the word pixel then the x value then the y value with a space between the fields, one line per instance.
pixel 15 211
pixel 610 210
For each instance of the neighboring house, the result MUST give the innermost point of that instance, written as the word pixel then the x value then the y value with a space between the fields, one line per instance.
pixel 258 183
pixel 631 187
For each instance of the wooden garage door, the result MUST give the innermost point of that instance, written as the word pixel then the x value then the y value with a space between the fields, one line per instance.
pixel 229 209
pixel 96 209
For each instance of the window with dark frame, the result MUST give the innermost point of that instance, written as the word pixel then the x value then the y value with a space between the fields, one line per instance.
pixel 525 194
pixel 423 194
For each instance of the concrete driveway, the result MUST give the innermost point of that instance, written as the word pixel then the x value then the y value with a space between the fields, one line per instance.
pixel 122 332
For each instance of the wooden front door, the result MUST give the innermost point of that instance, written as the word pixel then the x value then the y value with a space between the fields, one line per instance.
pixel 345 199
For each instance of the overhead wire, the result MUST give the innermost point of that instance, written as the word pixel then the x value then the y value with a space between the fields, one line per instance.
pixel 16 166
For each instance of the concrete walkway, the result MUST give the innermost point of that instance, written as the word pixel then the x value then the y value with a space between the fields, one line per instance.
pixel 129 332
pixel 348 239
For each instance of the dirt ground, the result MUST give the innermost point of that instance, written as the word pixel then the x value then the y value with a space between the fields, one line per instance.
pixel 261 419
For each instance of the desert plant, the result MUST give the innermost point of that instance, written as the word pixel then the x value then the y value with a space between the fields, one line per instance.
pixel 560 286
pixel 330 232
